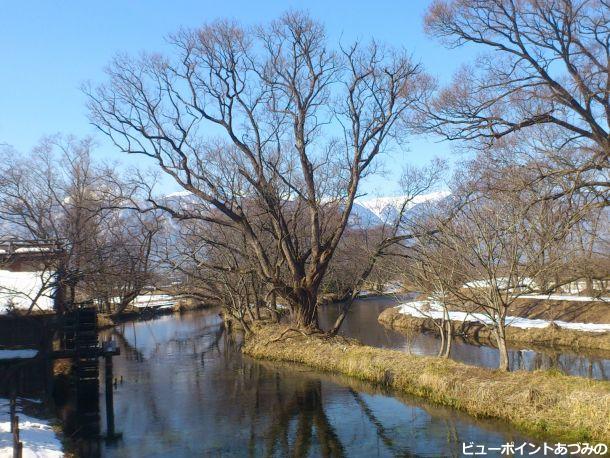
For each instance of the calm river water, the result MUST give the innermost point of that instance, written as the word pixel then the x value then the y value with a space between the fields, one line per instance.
pixel 363 325
pixel 184 390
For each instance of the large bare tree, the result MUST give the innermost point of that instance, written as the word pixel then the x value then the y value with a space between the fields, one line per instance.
pixel 270 129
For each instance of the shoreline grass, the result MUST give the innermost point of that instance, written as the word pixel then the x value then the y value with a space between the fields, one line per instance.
pixel 542 404
pixel 551 336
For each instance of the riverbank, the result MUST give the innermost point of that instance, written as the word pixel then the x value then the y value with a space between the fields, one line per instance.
pixel 544 404
pixel 550 335
pixel 107 321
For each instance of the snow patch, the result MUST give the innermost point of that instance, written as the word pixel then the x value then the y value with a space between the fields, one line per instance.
pixel 502 283
pixel 565 297
pixel 432 309
pixel 154 300
pixel 18 354
pixel 39 439
pixel 19 289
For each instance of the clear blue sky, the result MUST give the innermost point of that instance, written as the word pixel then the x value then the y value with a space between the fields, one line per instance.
pixel 49 48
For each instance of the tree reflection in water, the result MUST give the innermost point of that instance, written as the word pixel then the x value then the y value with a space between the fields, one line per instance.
pixel 188 391
pixel 303 412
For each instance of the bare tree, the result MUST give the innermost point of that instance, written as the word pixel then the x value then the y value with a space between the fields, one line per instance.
pixel 219 272
pixel 433 270
pixel 60 193
pixel 496 242
pixel 544 82
pixel 383 241
pixel 271 131
pixel 126 258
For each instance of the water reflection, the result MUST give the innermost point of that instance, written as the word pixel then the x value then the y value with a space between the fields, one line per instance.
pixel 362 324
pixel 184 389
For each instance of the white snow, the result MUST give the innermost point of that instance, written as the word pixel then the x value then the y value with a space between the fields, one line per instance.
pixel 418 309
pixel 160 301
pixel 565 297
pixel 38 438
pixel 502 283
pixel 18 354
pixel 388 288
pixel 179 194
pixel 19 289
pixel 387 208
pixel 392 288
pixel 154 300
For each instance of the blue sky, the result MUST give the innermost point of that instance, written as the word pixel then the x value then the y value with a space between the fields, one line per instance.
pixel 49 48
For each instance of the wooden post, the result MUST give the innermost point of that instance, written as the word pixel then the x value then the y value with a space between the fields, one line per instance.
pixel 17 444
pixel 13 407
pixel 109 397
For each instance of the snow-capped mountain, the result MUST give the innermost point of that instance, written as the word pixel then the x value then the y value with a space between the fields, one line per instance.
pixel 369 212
pixel 366 212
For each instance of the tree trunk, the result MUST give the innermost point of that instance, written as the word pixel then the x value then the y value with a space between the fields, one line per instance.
pixel 589 285
pixel 449 332
pixel 442 329
pixel 500 332
pixel 305 312
pixel 347 304
pixel 273 306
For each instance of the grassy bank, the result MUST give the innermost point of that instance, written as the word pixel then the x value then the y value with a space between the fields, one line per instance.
pixel 543 404
pixel 552 336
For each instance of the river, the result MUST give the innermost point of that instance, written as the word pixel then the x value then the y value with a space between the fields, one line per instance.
pixel 184 389
pixel 362 324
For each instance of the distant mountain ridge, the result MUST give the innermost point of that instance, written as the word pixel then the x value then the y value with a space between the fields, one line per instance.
pixel 375 211
pixel 367 212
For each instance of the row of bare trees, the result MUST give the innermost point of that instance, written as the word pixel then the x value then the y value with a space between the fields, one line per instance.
pixel 60 193
pixel 270 131
pixel 497 247
pixel 529 211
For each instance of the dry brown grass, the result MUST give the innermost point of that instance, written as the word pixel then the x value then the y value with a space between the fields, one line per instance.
pixel 550 336
pixel 544 404
pixel 62 367
pixel 104 321
pixel 577 311
pixel 187 304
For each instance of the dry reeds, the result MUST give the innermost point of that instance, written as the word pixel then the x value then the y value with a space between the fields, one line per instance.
pixel 544 404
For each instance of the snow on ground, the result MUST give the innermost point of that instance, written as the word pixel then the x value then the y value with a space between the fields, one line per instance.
pixel 20 288
pixel 18 354
pixel 392 288
pixel 565 297
pixel 502 283
pixel 39 439
pixel 388 288
pixel 418 309
pixel 154 300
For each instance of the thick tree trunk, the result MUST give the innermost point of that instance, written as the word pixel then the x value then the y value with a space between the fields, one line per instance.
pixel 274 310
pixel 305 311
